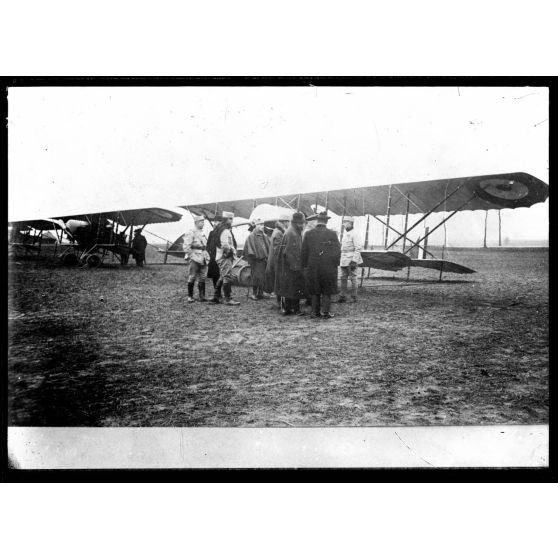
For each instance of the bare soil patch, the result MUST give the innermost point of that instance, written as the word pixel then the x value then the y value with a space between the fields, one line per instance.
pixel 120 346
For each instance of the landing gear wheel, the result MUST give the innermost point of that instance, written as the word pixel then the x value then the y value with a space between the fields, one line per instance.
pixel 69 259
pixel 93 260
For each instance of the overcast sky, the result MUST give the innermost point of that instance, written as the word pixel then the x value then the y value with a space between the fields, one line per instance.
pixel 74 150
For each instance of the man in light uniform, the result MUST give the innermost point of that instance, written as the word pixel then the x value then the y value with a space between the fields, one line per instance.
pixel 225 255
pixel 350 258
pixel 195 243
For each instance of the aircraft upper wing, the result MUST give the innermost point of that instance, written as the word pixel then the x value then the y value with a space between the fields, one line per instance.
pixel 495 191
pixel 41 224
pixel 134 217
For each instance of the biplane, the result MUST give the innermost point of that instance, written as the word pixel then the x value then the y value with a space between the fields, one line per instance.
pixel 496 191
pixel 27 237
pixel 87 239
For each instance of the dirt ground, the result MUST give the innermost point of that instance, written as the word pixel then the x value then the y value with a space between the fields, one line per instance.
pixel 122 347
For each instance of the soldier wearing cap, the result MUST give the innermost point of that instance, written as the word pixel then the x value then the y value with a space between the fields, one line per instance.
pixel 256 252
pixel 289 277
pixel 224 256
pixel 321 253
pixel 350 258
pixel 195 244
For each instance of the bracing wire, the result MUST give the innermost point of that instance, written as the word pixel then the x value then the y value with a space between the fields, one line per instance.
pixel 445 230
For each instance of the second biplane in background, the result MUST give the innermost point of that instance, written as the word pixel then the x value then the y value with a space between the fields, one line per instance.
pixel 87 239
pixel 27 237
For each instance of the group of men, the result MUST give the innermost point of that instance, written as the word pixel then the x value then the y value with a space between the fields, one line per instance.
pixel 211 256
pixel 299 261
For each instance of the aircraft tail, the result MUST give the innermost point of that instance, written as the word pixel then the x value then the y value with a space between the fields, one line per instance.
pixel 177 245
pixel 176 248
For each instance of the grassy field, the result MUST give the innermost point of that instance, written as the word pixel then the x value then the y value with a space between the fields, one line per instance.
pixel 121 347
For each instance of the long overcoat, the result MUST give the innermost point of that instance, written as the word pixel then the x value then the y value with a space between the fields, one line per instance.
pixel 321 253
pixel 276 237
pixel 289 279
pixel 139 244
pixel 256 252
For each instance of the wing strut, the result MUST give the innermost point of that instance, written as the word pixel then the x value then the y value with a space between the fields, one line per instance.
pixel 287 204
pixel 340 204
pixel 365 244
pixel 439 224
pixel 430 212
pixel 406 222
pixel 411 241
pixel 206 215
pixel 342 217
pixel 388 215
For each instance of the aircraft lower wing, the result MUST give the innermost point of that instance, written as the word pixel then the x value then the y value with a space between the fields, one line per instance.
pixel 386 260
pixel 395 261
pixel 442 265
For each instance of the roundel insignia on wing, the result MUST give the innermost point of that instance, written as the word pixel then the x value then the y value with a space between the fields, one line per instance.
pixel 502 191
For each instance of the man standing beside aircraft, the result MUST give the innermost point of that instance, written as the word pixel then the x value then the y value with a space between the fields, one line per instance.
pixel 289 282
pixel 276 237
pixel 213 267
pixel 224 255
pixel 195 248
pixel 310 224
pixel 256 252
pixel 350 258
pixel 321 253
pixel 139 244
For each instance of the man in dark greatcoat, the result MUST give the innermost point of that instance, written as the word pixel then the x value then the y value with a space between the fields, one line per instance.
pixel 321 253
pixel 139 244
pixel 256 251
pixel 310 224
pixel 289 279
pixel 276 237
